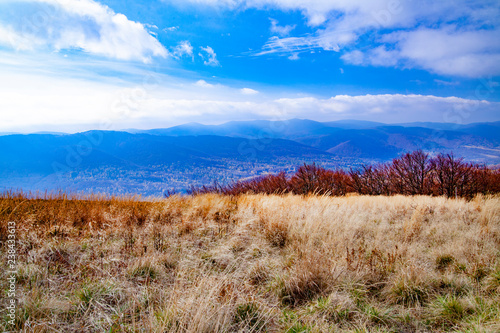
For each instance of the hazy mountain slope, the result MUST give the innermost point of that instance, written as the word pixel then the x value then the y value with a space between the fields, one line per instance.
pixel 363 139
pixel 287 129
pixel 119 162
pixel 37 153
pixel 488 131
pixel 151 161
pixel 353 124
pixel 297 128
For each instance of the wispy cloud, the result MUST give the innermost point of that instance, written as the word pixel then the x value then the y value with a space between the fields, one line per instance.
pixel 171 29
pixel 249 91
pixel 209 56
pixel 280 30
pixel 183 49
pixel 402 33
pixel 447 83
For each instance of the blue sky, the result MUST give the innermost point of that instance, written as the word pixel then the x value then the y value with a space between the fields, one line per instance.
pixel 72 65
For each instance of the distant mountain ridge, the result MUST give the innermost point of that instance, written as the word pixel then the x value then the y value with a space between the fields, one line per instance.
pixel 360 139
pixel 296 127
pixel 148 161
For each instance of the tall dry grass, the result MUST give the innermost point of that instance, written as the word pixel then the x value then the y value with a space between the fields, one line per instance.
pixel 255 263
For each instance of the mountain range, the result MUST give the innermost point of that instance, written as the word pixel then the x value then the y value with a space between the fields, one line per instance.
pixel 151 161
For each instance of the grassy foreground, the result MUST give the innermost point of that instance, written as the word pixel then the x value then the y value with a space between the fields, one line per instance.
pixel 255 263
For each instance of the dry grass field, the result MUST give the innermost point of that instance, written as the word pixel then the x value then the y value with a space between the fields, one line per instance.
pixel 254 263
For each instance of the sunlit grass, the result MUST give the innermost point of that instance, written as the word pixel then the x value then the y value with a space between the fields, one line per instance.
pixel 254 263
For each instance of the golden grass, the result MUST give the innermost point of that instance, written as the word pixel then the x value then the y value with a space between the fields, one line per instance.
pixel 255 263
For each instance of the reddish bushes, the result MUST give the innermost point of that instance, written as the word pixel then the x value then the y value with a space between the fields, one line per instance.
pixel 411 174
pixel 314 179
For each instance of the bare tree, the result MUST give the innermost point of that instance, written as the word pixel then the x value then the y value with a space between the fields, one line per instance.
pixel 451 175
pixel 371 180
pixel 411 173
pixel 306 179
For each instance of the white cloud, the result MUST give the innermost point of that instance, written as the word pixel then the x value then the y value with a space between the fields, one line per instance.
pixel 384 108
pixel 280 30
pixel 204 84
pixel 184 48
pixel 446 50
pixel 60 103
pixel 38 102
pixel 447 83
pixel 453 51
pixel 378 56
pixel 10 37
pixel 170 29
pixel 214 3
pixel 392 108
pixel 209 56
pixel 355 57
pixel 221 106
pixel 316 11
pixel 76 24
pixel 248 91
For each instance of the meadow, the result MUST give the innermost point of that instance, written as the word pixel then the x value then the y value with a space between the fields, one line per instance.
pixel 253 263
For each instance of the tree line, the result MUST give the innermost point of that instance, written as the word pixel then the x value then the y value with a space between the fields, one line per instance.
pixel 415 173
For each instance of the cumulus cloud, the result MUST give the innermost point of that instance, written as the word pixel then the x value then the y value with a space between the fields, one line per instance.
pixel 75 24
pixel 183 49
pixel 280 30
pixel 209 56
pixel 389 108
pixel 447 50
pixel 378 56
pixel 248 91
pixel 384 108
pixel 451 50
pixel 204 84
pixel 393 108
